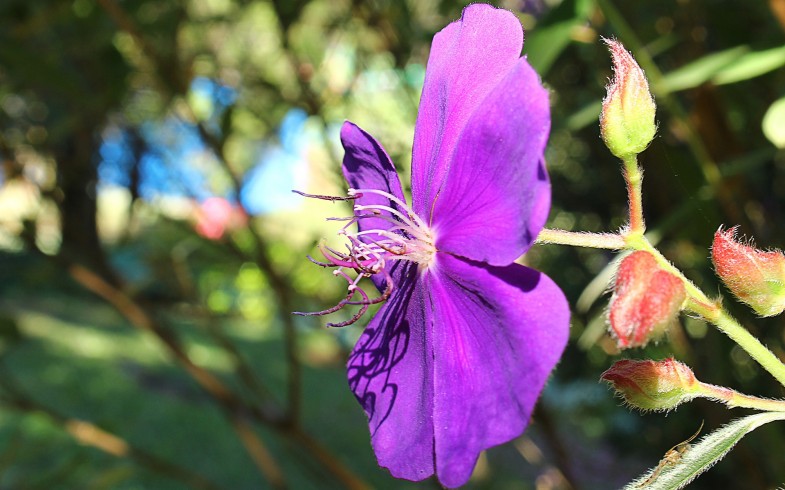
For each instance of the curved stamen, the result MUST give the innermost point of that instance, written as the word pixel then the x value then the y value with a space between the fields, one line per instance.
pixel 384 296
pixel 335 308
pixel 356 193
pixel 380 207
pixel 321 264
pixel 386 233
pixel 413 232
pixel 360 312
pixel 371 251
pixel 350 197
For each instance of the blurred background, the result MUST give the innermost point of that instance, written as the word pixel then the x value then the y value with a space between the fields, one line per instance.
pixel 151 250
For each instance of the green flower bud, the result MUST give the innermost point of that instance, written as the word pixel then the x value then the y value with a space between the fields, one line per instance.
pixel 754 276
pixel 627 120
pixel 653 385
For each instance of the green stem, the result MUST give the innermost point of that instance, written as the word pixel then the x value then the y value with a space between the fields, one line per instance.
pixel 712 312
pixel 730 327
pixel 734 399
pixel 697 301
pixel 611 241
pixel 634 179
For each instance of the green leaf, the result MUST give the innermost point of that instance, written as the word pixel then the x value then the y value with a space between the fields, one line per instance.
pixel 699 71
pixel 702 455
pixel 584 116
pixel 553 34
pixel 751 65
pixel 774 123
pixel 543 46
pixel 730 66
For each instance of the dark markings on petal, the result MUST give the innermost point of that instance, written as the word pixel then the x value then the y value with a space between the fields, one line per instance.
pixel 385 349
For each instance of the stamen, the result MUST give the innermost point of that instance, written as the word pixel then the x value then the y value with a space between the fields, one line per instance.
pixel 404 218
pixel 359 193
pixel 328 198
pixel 411 229
pixel 385 233
pixel 370 251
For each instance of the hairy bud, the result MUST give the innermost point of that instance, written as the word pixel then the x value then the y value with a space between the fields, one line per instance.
pixel 646 300
pixel 754 276
pixel 627 120
pixel 653 385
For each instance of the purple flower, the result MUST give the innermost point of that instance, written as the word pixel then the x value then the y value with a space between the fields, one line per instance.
pixel 457 355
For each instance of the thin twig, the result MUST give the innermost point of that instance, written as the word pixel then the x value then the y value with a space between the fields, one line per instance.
pixel 262 258
pixel 241 366
pixel 279 285
pixel 233 407
pixel 280 288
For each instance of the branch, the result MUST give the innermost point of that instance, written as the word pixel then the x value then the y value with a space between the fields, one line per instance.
pixel 233 407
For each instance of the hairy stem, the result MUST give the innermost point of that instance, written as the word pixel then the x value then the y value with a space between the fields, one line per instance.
pixel 730 327
pixel 697 301
pixel 734 399
pixel 610 241
pixel 634 178
pixel 712 312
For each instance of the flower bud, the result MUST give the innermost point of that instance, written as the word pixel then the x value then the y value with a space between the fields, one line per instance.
pixel 754 276
pixel 627 119
pixel 646 300
pixel 653 385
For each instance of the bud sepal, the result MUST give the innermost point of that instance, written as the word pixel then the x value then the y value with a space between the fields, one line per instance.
pixel 646 300
pixel 754 276
pixel 653 385
pixel 627 120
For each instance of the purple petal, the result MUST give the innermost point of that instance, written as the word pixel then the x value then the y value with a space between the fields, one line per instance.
pixel 367 166
pixel 495 198
pixel 498 332
pixel 390 373
pixel 468 58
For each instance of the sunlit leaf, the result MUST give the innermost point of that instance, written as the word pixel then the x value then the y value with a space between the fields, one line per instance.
pixel 751 65
pixel 699 71
pixel 730 66
pixel 554 33
pixel 584 116
pixel 702 455
pixel 774 123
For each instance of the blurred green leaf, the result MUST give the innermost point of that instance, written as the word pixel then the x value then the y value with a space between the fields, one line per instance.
pixel 730 66
pixel 553 34
pixel 584 116
pixel 699 71
pixel 774 123
pixel 751 65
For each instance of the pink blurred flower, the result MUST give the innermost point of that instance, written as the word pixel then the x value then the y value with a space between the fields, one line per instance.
pixel 216 215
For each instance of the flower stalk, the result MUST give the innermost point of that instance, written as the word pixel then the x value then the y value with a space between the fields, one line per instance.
pixel 665 384
pixel 610 241
pixel 712 312
pixel 734 399
pixel 697 301
pixel 634 178
pixel 730 327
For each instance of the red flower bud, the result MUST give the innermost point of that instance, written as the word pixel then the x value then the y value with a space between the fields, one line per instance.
pixel 627 119
pixel 646 300
pixel 754 276
pixel 653 385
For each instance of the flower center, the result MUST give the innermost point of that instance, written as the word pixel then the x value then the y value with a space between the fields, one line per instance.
pixel 408 237
pixel 385 234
